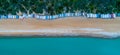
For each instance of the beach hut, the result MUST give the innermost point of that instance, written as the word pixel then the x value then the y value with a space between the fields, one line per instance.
pixel 25 15
pixel 61 15
pixel 88 15
pixel 68 14
pixel 3 17
pixel 50 17
pixel 114 15
pixel 94 15
pixel 17 16
pixel 30 16
pixel 56 16
pixel 105 16
pixel 21 17
pixel 37 16
pixel 47 17
pixel 53 16
pixel 44 17
pixel 72 14
pixel 84 14
pixel 118 15
pixel 14 16
pixel 77 14
pixel 108 16
pixel 102 15
pixel 0 16
pixel 9 16
pixel 98 15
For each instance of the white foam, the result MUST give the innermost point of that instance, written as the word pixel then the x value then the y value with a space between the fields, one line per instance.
pixel 45 30
pixel 111 34
pixel 91 29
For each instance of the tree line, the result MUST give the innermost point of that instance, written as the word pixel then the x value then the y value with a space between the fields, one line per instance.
pixel 50 7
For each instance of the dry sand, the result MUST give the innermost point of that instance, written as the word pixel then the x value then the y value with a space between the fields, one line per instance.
pixel 65 26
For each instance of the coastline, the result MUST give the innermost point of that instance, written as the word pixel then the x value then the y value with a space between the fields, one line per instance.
pixel 74 26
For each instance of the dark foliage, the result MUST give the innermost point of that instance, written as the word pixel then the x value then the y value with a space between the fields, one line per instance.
pixel 59 6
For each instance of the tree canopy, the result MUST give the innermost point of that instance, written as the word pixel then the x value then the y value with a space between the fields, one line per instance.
pixel 59 6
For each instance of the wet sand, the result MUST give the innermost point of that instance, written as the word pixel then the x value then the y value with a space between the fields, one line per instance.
pixel 73 26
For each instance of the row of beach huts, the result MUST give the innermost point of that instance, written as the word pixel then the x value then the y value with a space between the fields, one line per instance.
pixel 63 15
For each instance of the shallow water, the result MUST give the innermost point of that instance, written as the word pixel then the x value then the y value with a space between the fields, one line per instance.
pixel 59 46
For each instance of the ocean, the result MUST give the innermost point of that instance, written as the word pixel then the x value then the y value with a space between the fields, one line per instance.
pixel 59 46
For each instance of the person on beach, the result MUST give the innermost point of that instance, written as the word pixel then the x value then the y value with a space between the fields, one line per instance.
pixel 112 16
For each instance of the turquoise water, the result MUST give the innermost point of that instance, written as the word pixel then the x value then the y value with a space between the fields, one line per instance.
pixel 59 46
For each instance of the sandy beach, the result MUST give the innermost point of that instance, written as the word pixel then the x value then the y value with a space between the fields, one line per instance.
pixel 108 28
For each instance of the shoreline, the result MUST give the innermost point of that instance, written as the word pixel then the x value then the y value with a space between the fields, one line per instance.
pixel 52 32
pixel 73 26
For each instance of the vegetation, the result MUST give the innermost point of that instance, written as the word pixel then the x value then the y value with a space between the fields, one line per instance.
pixel 58 6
